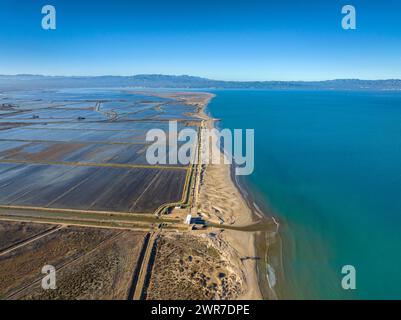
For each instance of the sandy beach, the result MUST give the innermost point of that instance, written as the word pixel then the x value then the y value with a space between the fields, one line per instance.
pixel 241 235
pixel 221 201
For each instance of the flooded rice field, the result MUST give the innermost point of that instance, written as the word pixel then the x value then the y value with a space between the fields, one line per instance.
pixel 140 190
pixel 86 149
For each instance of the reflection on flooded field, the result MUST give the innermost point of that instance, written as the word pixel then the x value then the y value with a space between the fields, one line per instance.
pixel 85 149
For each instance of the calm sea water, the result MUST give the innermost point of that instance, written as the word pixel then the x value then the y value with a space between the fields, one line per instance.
pixel 329 166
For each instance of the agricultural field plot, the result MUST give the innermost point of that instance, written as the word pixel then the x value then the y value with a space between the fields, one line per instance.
pixel 55 113
pixel 28 134
pixel 87 105
pixel 113 98
pixel 76 152
pixel 126 126
pixel 86 149
pixel 5 146
pixel 12 233
pixel 90 263
pixel 104 274
pixel 124 107
pixel 140 190
pixel 181 111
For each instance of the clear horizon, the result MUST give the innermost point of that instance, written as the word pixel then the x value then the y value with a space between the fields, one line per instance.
pixel 230 41
pixel 190 75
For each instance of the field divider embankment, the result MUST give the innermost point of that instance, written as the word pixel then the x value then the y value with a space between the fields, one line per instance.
pixel 86 129
pixel 105 219
pixel 89 164
pixel 66 223
pixel 139 142
pixel 190 179
pixel 143 222
pixel 146 268
pixel 102 214
pixel 135 275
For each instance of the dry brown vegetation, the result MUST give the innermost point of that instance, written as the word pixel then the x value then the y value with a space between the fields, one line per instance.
pixel 192 267
pixel 105 273
pixel 91 263
pixel 12 233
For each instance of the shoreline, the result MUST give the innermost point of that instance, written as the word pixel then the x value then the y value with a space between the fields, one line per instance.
pixel 260 276
pixel 263 242
pixel 245 236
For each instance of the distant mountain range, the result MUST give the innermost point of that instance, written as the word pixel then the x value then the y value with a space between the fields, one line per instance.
pixel 9 82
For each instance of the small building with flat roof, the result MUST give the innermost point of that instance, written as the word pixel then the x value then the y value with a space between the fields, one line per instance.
pixel 188 219
pixel 194 220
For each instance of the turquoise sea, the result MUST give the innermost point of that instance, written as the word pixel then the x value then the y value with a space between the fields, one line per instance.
pixel 328 167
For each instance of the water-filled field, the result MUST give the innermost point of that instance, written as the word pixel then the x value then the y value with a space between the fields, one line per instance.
pixel 86 149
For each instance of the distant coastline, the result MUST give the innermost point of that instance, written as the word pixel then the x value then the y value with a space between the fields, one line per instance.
pixel 11 82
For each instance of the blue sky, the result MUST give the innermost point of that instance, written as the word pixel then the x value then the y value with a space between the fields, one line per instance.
pixel 228 40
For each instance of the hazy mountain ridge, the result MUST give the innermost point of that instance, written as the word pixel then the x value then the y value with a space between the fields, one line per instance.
pixel 185 81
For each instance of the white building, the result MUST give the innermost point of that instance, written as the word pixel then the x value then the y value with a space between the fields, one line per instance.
pixel 188 219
